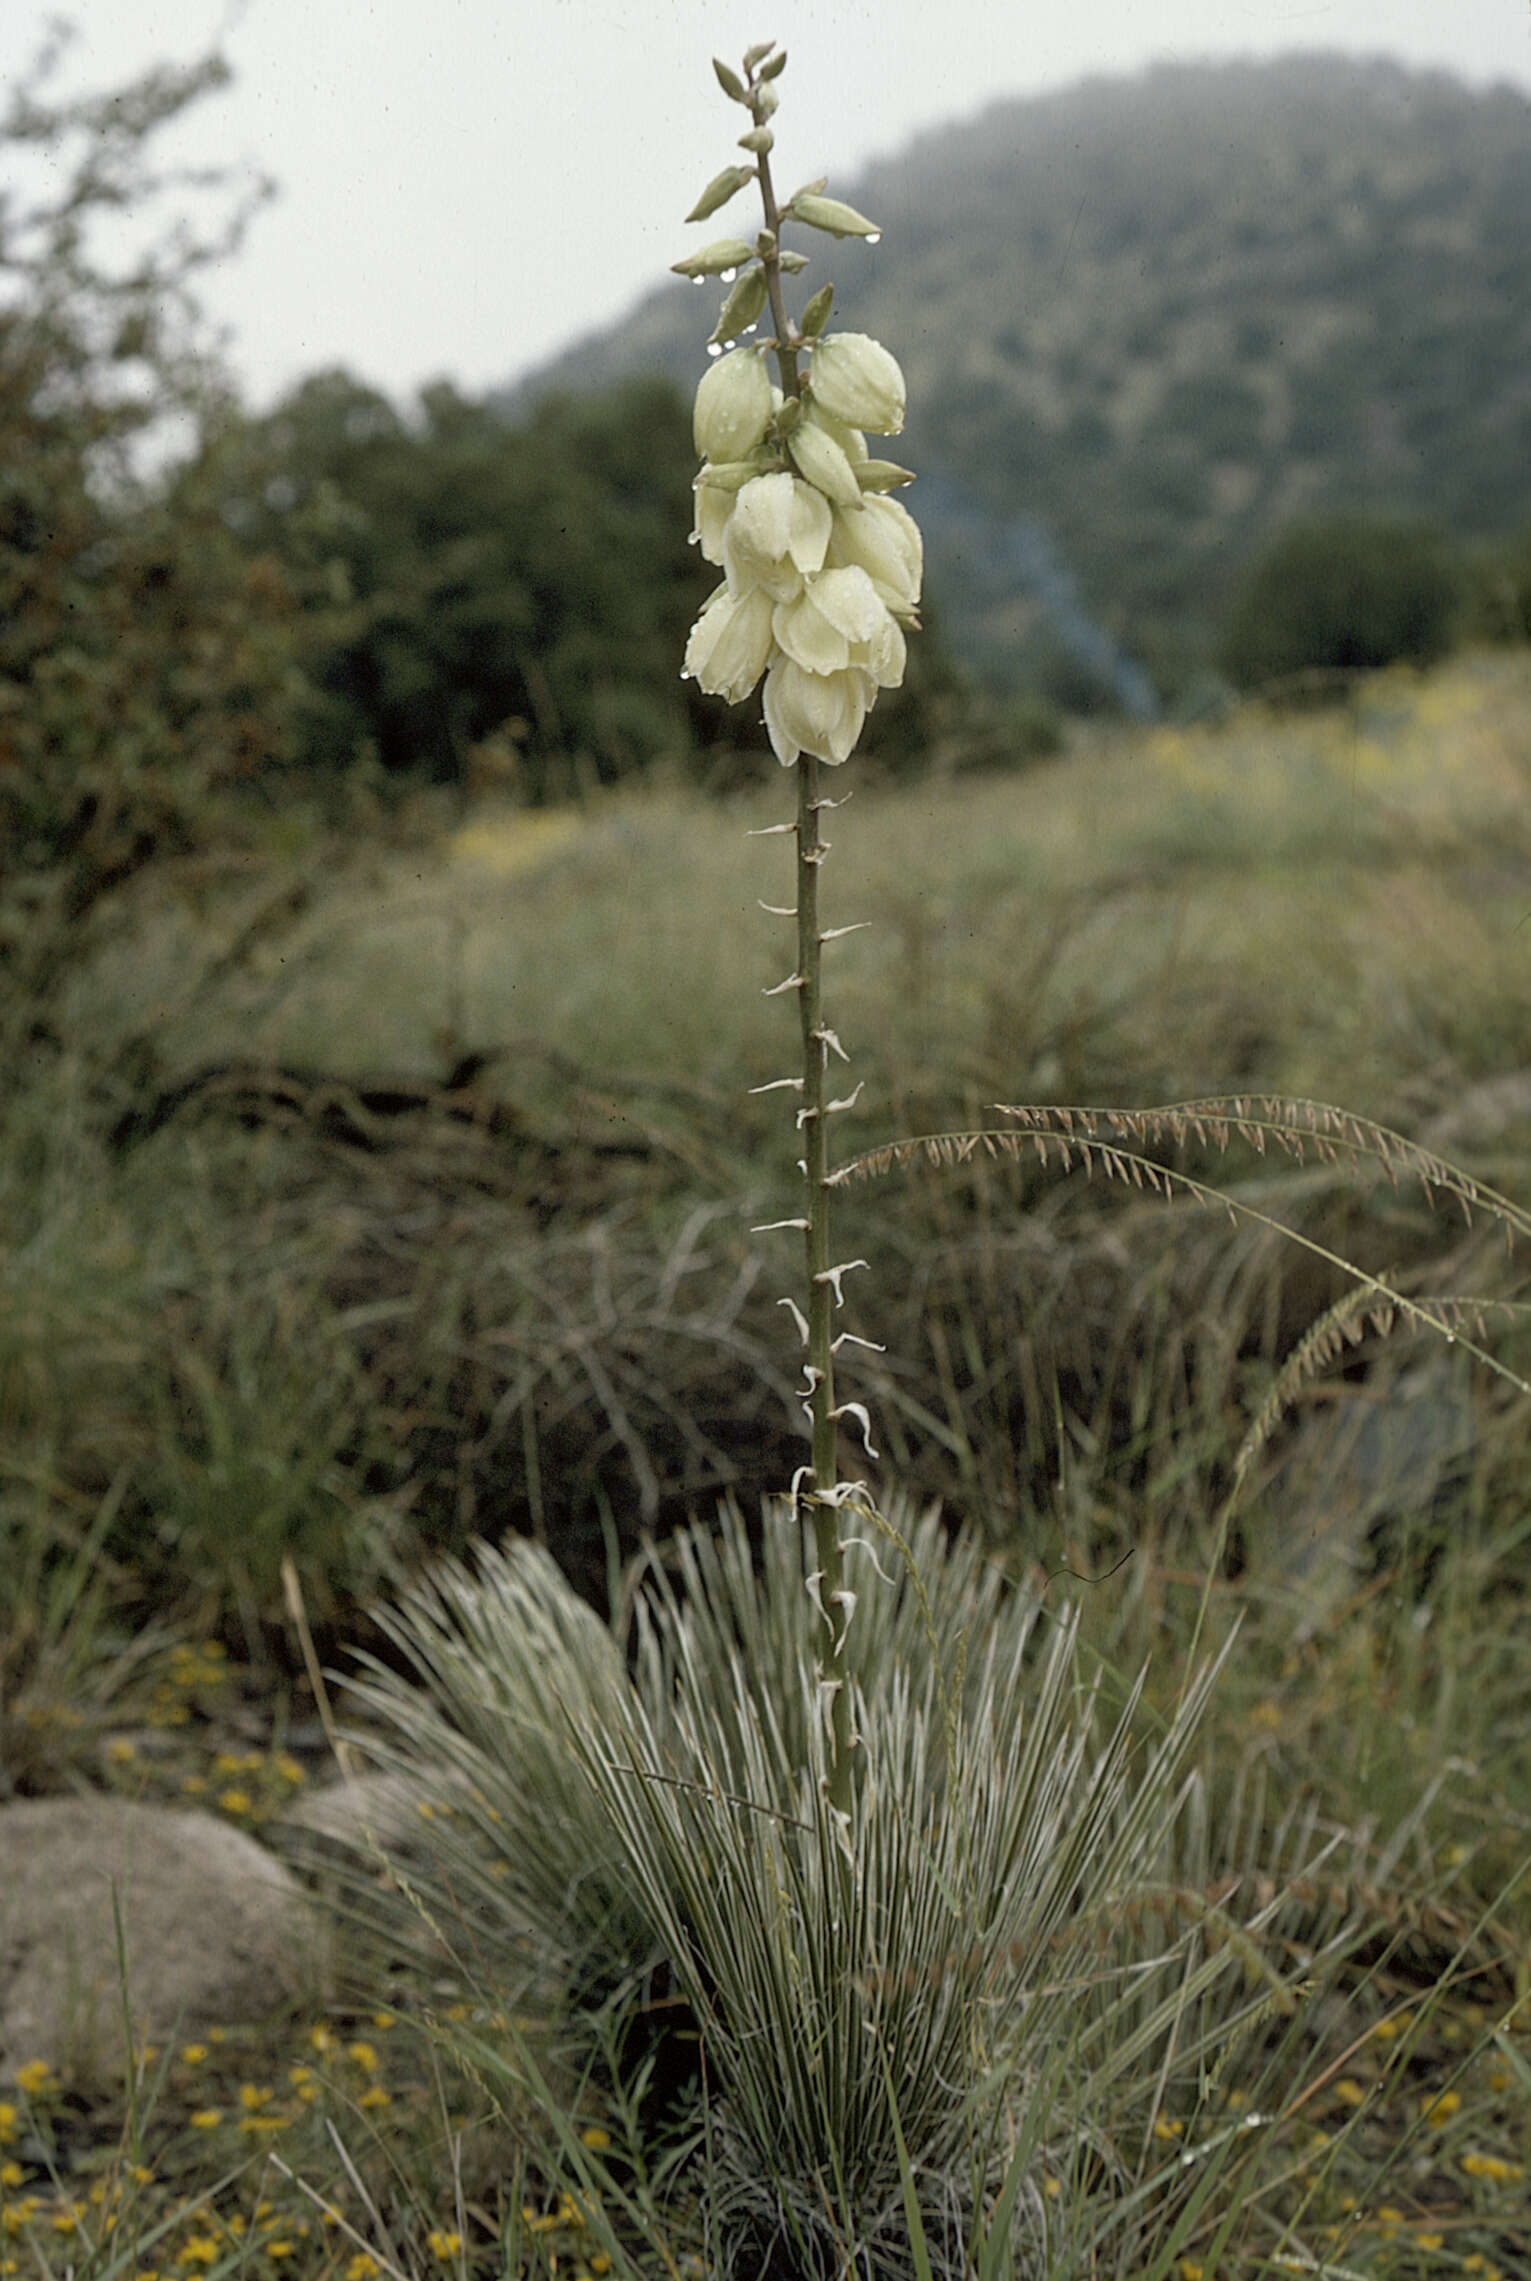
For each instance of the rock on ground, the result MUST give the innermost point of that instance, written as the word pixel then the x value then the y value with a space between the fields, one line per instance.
pixel 215 1931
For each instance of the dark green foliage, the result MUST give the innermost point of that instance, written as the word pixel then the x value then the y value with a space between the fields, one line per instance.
pixel 468 582
pixel 1344 595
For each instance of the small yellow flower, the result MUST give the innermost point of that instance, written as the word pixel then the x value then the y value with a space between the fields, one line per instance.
pixel 252 2097
pixel 207 2118
pixel 1167 2129
pixel 363 2267
pixel 1349 2092
pixel 7 2122
pixel 362 2055
pixel 1491 2168
pixel 194 2053
pixel 597 2140
pixel 235 1801
pixel 443 2244
pixel 1188 2269
pixel 202 2249
pixel 121 1751
pixel 11 2174
pixel 35 2078
pixel 1438 2112
pixel 375 2096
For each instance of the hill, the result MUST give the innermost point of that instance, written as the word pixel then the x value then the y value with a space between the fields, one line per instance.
pixel 1147 322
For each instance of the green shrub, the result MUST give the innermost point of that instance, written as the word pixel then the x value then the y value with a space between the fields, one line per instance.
pixel 1347 594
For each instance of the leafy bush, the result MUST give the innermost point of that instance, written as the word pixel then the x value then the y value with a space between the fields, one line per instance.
pixel 1344 594
pixel 145 658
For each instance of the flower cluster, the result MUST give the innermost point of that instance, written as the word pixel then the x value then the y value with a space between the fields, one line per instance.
pixel 821 569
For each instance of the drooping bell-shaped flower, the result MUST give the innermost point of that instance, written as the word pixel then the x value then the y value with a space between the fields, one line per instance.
pixel 821 713
pixel 713 509
pixel 733 406
pixel 854 378
pixel 777 535
pixel 837 614
pixel 730 644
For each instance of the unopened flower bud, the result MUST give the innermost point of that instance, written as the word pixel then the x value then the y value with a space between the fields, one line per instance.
pixel 831 214
pixel 856 379
pixel 760 140
pixel 820 458
pixel 711 261
pixel 851 440
pixel 730 82
pixel 719 190
pixel 733 406
pixel 817 314
pixel 743 306
pixel 792 262
pixel 883 475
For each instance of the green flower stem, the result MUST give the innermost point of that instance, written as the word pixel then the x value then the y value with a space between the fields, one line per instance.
pixel 787 338
pixel 811 851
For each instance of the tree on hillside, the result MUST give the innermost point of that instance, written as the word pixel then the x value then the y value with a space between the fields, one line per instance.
pixel 145 657
pixel 1346 594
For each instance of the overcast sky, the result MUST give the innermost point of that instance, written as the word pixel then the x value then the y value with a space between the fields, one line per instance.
pixel 466 185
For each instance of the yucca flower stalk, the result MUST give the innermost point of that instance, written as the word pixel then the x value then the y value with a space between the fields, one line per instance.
pixel 821 580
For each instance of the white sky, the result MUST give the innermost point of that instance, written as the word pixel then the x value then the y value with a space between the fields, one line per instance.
pixel 469 184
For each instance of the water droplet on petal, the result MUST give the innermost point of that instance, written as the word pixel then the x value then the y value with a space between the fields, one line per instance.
pixel 874 237
pixel 695 539
pixel 714 348
pixel 698 280
pixel 728 275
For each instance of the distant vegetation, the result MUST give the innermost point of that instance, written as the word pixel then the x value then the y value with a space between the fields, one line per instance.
pixel 1157 320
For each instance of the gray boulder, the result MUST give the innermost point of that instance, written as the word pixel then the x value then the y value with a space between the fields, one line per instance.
pixel 215 1931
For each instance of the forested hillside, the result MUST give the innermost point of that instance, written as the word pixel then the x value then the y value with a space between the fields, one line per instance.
pixel 1148 323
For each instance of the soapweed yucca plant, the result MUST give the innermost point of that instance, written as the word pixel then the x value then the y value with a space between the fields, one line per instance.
pixel 940 1902
pixel 856 1804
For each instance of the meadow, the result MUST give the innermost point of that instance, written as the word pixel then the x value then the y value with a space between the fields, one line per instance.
pixel 385 1194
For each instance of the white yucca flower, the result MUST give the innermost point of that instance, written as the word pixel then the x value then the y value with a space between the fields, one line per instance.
pixel 730 643
pixel 821 713
pixel 820 575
